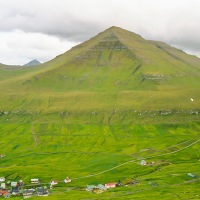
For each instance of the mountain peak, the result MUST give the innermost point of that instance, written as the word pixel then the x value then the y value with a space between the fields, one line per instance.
pixel 32 63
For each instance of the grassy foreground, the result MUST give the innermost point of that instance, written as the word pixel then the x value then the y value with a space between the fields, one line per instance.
pixel 57 150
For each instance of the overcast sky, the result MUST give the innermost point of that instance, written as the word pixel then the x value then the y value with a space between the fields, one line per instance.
pixel 42 29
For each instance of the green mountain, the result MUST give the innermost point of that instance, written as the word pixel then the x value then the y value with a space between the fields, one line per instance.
pixel 117 59
pixel 98 111
pixel 116 69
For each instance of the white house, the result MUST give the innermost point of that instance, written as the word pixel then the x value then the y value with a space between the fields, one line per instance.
pixel 13 184
pixel 3 185
pixel 34 180
pixel 67 180
pixel 2 179
pixel 53 182
pixel 143 162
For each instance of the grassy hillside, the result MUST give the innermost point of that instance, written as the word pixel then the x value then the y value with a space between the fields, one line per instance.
pixel 94 112
pixel 116 68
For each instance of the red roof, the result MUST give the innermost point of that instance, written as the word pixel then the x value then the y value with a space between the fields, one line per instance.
pixel 110 184
pixel 3 192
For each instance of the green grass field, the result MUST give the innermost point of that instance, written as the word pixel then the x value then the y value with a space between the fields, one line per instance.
pixel 59 150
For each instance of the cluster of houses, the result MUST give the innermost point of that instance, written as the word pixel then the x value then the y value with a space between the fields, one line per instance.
pixel 101 188
pixel 18 188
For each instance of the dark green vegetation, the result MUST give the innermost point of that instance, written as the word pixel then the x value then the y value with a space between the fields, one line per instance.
pixel 117 97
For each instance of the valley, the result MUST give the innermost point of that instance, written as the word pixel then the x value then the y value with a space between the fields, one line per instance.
pixel 96 112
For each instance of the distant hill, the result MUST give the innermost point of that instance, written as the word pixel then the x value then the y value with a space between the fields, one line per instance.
pixel 32 63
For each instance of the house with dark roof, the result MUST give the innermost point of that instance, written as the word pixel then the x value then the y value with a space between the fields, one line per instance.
pixel 28 193
pixel 42 191
pixel 15 190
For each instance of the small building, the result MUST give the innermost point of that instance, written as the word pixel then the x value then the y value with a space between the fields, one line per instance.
pixel 2 179
pixel 101 187
pixel 154 184
pixel 191 175
pixel 13 184
pixel 3 192
pixel 67 180
pixel 15 190
pixel 110 185
pixel 3 185
pixel 28 193
pixel 21 182
pixel 143 162
pixel 53 182
pixel 89 188
pixel 7 196
pixel 42 191
pixel 35 180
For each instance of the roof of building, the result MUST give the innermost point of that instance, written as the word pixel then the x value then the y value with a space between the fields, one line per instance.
pixel 110 184
pixel 91 186
pixel 101 187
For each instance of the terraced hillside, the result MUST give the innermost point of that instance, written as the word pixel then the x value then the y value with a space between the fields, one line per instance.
pixel 94 112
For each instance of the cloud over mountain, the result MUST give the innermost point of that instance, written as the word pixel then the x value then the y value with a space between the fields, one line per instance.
pixel 174 21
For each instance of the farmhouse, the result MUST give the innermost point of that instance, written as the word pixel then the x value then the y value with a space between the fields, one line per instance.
pixel 13 184
pixel 143 162
pixel 53 182
pixel 191 175
pixel 89 188
pixel 42 191
pixel 101 187
pixel 28 193
pixel 2 179
pixel 3 185
pixel 3 192
pixel 34 180
pixel 67 180
pixel 15 190
pixel 21 182
pixel 110 185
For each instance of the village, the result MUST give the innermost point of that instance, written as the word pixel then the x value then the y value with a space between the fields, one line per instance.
pixel 35 187
pixel 10 189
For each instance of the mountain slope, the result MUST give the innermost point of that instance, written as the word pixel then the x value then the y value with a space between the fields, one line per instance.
pixel 117 59
pixel 116 69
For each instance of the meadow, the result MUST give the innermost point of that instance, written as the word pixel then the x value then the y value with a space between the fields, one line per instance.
pixel 57 150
